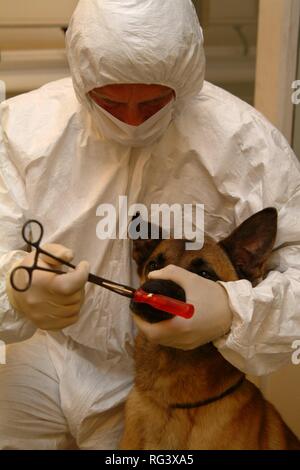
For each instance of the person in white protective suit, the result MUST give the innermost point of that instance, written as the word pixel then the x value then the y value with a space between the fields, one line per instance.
pixel 74 144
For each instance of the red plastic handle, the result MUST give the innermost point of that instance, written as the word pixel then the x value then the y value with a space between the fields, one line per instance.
pixel 164 303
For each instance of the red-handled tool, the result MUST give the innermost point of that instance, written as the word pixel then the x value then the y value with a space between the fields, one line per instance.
pixel 160 302
pixel 167 304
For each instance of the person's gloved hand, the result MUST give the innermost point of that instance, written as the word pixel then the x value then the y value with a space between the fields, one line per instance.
pixel 53 301
pixel 211 320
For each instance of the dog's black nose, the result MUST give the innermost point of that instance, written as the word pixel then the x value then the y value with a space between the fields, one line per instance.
pixel 157 286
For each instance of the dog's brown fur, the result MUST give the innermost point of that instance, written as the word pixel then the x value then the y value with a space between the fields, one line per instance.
pixel 164 376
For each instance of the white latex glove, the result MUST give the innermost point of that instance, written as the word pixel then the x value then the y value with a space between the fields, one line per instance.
pixel 211 320
pixel 53 301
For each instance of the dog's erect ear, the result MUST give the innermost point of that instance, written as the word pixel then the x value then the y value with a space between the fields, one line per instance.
pixel 250 245
pixel 143 245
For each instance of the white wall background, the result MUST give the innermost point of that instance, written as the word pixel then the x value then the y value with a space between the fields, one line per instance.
pixel 36 12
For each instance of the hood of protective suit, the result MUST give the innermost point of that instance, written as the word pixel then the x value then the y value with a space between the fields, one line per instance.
pixel 136 41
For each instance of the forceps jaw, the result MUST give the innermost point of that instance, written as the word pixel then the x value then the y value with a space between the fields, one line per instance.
pixel 121 289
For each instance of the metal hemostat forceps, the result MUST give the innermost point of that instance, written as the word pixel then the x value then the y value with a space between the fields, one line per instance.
pixel 160 302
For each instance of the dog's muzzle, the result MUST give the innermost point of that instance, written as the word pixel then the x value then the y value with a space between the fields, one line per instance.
pixel 157 286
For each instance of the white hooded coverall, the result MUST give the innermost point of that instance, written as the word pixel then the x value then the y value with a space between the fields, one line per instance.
pixel 67 389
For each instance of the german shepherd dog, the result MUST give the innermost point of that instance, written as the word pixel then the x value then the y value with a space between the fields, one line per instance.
pixel 189 400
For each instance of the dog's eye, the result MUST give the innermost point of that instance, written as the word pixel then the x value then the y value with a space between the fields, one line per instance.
pixel 201 268
pixel 206 274
pixel 152 266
